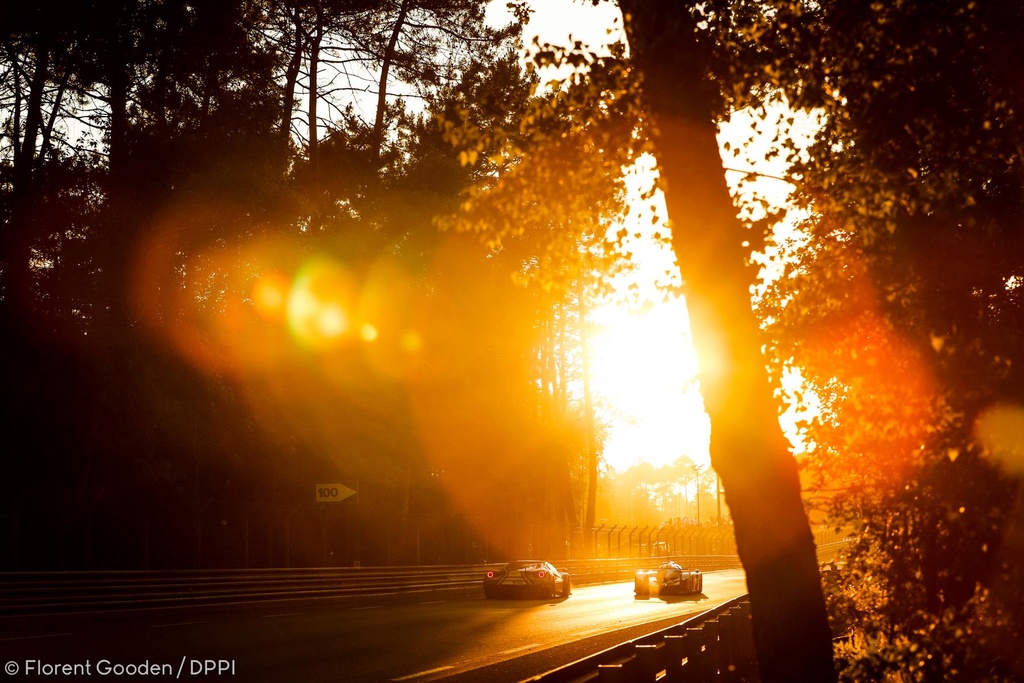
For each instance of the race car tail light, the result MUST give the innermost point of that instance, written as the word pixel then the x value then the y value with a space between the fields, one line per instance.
pixel 541 574
pixel 490 575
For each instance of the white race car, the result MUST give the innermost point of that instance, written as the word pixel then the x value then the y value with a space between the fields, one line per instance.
pixel 668 579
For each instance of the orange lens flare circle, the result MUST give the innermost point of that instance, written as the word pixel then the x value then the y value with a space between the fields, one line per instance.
pixel 270 295
pixel 319 304
pixel 391 320
pixel 1000 429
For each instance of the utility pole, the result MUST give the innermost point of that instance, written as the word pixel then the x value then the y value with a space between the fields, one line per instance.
pixel 696 468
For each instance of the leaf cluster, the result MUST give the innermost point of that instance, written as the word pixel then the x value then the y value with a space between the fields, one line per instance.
pixel 550 180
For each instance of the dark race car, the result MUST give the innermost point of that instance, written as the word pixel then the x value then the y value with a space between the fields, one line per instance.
pixel 668 579
pixel 527 579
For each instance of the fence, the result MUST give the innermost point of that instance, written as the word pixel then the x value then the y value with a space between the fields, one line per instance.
pixel 306 536
pixel 672 538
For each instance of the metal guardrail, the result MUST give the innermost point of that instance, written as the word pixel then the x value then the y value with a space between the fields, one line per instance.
pixel 716 645
pixel 33 593
pixel 48 592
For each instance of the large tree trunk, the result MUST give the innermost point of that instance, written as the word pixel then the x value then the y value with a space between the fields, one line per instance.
pixel 748 448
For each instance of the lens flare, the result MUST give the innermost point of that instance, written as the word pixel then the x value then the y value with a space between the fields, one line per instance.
pixel 270 294
pixel 1000 429
pixel 411 342
pixel 391 311
pixel 331 321
pixel 317 305
pixel 368 332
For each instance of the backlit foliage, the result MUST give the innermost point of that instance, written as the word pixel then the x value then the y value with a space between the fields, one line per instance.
pixel 552 183
pixel 902 316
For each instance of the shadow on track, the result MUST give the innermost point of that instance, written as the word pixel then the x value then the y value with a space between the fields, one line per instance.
pixel 672 599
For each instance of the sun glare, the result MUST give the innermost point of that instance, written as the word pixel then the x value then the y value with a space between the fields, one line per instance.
pixel 643 372
pixel 643 365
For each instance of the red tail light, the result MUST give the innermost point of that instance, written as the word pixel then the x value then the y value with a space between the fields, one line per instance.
pixel 541 574
pixel 490 575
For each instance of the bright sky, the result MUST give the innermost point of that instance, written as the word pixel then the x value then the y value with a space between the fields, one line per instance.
pixel 644 367
pixel 553 21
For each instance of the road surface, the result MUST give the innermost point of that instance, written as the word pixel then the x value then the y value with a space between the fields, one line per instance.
pixel 464 640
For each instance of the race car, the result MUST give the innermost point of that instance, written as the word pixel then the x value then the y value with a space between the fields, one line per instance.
pixel 668 579
pixel 527 579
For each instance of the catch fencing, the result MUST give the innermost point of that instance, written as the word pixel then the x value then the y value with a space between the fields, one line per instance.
pixel 304 536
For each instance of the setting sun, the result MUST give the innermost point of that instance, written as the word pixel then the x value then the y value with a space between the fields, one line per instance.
pixel 644 373
pixel 644 376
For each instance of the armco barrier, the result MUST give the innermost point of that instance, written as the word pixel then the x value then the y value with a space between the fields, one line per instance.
pixel 47 592
pixel 714 646
pixel 39 593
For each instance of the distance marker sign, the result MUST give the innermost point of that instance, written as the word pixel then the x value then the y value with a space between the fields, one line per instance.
pixel 335 493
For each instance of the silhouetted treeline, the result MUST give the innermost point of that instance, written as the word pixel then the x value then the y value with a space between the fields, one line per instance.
pixel 173 204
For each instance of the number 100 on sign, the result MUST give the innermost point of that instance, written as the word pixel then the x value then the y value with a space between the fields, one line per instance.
pixel 334 493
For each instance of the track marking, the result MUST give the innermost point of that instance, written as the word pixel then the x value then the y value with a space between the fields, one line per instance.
pixel 180 623
pixel 286 614
pixel 431 602
pixel 370 607
pixel 518 649
pixel 421 674
pixel 45 635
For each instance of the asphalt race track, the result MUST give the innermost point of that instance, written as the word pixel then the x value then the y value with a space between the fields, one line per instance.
pixel 466 639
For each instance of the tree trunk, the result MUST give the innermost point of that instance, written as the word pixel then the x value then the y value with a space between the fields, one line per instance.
pixel 121 222
pixel 291 78
pixel 588 407
pixel 47 142
pixel 17 239
pixel 382 86
pixel 314 41
pixel 748 448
